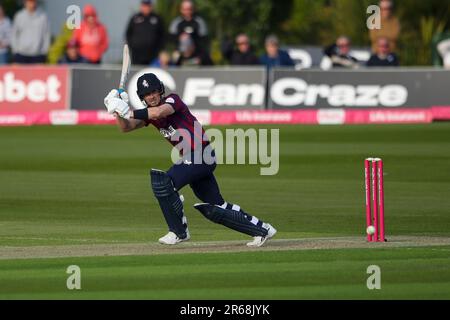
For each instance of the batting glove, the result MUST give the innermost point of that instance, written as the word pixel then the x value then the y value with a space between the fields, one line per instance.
pixel 120 107
pixel 124 96
pixel 111 95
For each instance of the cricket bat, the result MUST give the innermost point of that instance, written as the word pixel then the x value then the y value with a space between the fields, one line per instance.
pixel 126 63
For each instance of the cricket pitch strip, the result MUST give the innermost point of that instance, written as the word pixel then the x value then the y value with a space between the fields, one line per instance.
pixel 139 249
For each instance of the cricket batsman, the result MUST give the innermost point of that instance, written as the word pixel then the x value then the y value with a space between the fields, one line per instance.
pixel 170 115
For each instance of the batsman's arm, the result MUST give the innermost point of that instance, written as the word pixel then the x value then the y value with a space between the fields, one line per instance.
pixel 154 113
pixel 127 125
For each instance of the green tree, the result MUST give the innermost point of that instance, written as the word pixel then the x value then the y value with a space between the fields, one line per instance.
pixel 421 21
pixel 231 17
pixel 318 22
pixel 349 17
pixel 168 10
pixel 308 23
pixel 228 18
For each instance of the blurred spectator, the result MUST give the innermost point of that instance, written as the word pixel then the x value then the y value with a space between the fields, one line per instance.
pixel 30 39
pixel 339 54
pixel 91 37
pixel 72 54
pixel 440 50
pixel 189 22
pixel 274 56
pixel 243 54
pixel 390 26
pixel 189 54
pixel 59 44
pixel 443 48
pixel 5 36
pixel 383 57
pixel 163 61
pixel 145 34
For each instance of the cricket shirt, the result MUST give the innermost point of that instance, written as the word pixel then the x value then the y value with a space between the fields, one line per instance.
pixel 169 127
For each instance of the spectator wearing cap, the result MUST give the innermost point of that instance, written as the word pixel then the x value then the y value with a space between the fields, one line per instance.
pixel 5 36
pixel 274 56
pixel 30 38
pixel 72 55
pixel 390 26
pixel 191 23
pixel 383 57
pixel 189 54
pixel 339 53
pixel 243 54
pixel 145 34
pixel 92 37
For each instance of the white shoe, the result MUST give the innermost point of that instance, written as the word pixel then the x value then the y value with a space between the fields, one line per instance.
pixel 172 239
pixel 259 241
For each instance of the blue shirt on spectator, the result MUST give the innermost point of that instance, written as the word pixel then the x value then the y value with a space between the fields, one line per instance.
pixel 283 59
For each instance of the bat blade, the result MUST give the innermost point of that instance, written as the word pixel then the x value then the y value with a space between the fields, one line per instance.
pixel 126 63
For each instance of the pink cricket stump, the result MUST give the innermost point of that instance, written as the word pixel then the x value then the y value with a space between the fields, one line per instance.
pixel 381 199
pixel 375 199
pixel 368 208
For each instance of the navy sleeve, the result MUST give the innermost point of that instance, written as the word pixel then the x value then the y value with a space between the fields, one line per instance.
pixel 371 61
pixel 396 62
pixel 288 59
pixel 330 50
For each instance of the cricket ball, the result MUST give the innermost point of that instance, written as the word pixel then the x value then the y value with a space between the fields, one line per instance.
pixel 370 230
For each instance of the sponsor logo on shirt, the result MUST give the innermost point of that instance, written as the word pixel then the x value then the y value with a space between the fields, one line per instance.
pixel 168 132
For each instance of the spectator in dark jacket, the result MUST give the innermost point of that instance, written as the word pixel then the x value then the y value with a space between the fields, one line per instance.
pixel 383 56
pixel 274 56
pixel 72 54
pixel 145 34
pixel 243 54
pixel 189 54
pixel 339 53
pixel 191 23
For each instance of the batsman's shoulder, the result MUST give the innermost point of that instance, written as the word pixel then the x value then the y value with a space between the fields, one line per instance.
pixel 175 101
pixel 172 98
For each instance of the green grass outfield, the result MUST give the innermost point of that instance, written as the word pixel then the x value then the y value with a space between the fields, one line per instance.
pixel 90 186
